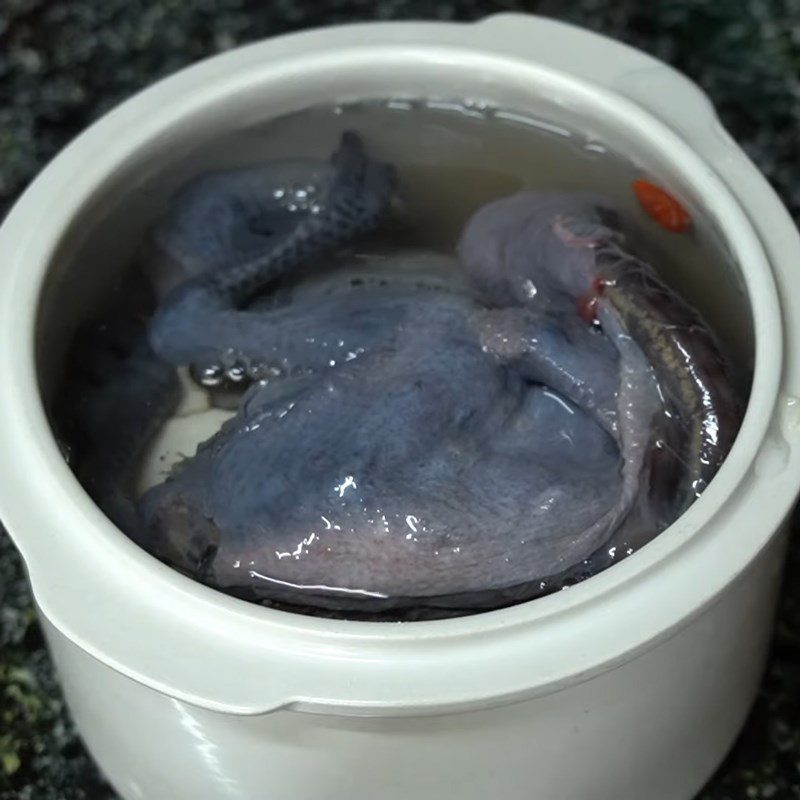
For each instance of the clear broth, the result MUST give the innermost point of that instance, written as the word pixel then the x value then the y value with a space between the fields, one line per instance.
pixel 451 158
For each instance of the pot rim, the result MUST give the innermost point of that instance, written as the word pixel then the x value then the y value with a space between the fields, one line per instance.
pixel 70 547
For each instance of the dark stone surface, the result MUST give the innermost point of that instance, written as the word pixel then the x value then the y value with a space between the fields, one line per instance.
pixel 64 63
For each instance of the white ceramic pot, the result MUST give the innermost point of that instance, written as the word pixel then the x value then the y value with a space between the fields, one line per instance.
pixel 631 685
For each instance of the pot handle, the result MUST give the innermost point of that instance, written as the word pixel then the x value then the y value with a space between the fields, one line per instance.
pixel 654 85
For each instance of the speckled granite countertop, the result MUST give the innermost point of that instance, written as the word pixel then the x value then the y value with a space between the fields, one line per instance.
pixel 64 63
